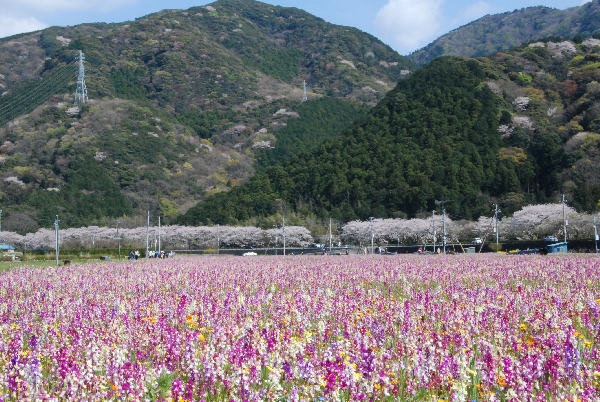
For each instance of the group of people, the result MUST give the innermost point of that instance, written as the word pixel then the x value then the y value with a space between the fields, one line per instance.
pixel 160 254
pixel 135 255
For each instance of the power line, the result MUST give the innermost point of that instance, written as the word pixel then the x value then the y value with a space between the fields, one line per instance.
pixel 37 85
pixel 29 97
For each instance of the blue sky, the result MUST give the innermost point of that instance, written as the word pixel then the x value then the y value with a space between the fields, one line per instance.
pixel 406 25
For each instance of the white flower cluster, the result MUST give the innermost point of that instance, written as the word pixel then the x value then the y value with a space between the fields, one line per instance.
pixel 171 236
pixel 524 122
pixel 591 42
pixel 506 130
pixel 262 145
pixel 559 50
pixel 100 156
pixel 521 103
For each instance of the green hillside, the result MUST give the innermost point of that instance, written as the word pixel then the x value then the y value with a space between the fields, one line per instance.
pixel 516 128
pixel 502 32
pixel 182 105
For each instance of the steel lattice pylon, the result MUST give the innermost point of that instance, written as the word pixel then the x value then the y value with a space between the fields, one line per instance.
pixel 81 92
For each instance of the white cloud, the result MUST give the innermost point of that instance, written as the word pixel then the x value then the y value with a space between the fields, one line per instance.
pixel 14 25
pixel 410 23
pixel 475 11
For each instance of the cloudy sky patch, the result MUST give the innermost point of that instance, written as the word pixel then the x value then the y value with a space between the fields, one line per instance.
pixel 13 25
pixel 410 22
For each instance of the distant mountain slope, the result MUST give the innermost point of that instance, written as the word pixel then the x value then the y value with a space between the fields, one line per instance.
pixel 228 54
pixel 182 104
pixel 502 32
pixel 518 127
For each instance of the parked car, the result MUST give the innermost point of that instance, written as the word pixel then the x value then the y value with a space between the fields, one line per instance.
pixel 250 254
pixel 248 247
pixel 477 241
pixel 551 238
pixel 313 246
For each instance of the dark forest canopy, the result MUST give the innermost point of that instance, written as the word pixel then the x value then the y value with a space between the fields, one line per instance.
pixel 433 137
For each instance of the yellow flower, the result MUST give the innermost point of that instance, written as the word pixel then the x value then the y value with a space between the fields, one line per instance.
pixel 357 376
pixel 201 337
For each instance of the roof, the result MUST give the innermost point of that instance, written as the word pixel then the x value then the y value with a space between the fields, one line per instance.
pixel 6 247
pixel 557 244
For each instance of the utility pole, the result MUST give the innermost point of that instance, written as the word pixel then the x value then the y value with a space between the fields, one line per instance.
pixel 1 241
pixel 276 237
pixel 433 224
pixel 119 240
pixel 596 233
pixel 372 237
pixel 147 234
pixel 443 204
pixel 283 218
pixel 565 222
pixel 496 212
pixel 159 245
pixel 56 237
pixel 218 238
pixel 330 242
pixel 81 92
pixel 304 94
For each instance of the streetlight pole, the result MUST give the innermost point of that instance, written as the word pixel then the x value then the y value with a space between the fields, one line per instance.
pixel 56 237
pixel 497 211
pixel 433 225
pixel 330 245
pixel 372 237
pixel 119 240
pixel 147 234
pixel 159 245
pixel 596 233
pixel 565 223
pixel 218 239
pixel 444 235
pixel 276 237
pixel 443 204
pixel 283 223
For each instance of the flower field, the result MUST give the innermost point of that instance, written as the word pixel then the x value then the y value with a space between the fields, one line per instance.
pixel 372 328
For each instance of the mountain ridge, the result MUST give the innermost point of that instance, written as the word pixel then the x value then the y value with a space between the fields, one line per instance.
pixel 182 103
pixel 504 31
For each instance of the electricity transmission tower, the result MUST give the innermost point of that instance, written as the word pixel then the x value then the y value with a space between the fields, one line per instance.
pixel 81 92
pixel 304 94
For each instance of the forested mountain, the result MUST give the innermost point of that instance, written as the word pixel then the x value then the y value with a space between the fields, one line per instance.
pixel 181 104
pixel 516 128
pixel 502 32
